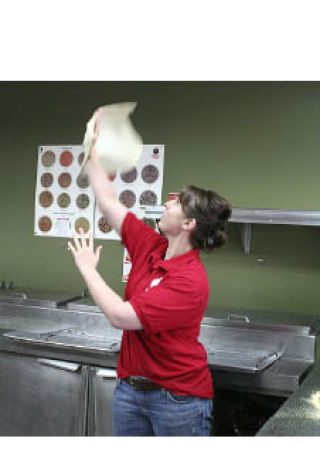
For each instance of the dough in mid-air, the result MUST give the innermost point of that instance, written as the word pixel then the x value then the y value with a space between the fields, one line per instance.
pixel 119 146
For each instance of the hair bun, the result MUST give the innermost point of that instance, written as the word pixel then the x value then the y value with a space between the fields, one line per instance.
pixel 225 214
pixel 211 212
pixel 219 239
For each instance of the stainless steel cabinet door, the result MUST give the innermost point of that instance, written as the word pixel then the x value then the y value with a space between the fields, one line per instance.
pixel 41 397
pixel 102 382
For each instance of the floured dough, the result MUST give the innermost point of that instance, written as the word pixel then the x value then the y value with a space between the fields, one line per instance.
pixel 118 145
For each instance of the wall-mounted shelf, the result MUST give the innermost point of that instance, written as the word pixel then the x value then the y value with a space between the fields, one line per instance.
pixel 268 216
pixel 246 217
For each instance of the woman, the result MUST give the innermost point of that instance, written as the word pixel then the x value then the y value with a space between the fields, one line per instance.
pixel 164 385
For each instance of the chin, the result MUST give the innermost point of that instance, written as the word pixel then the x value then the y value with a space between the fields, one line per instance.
pixel 161 226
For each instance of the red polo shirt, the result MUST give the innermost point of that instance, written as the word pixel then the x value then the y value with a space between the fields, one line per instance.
pixel 170 298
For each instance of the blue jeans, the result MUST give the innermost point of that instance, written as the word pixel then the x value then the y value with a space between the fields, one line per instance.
pixel 159 413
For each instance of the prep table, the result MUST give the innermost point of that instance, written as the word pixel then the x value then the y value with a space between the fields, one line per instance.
pixel 58 362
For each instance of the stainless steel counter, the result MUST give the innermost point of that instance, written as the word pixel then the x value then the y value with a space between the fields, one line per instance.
pixel 300 415
pixel 251 333
pixel 36 319
pixel 55 389
pixel 268 358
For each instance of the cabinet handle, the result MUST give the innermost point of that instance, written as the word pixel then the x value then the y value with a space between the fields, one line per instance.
pixel 106 373
pixel 10 297
pixel 60 364
pixel 19 295
pixel 238 317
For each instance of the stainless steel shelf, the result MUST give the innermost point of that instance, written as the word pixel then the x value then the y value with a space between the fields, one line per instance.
pixel 259 216
pixel 246 217
pixel 269 216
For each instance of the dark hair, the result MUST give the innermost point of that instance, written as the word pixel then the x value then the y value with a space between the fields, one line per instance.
pixel 211 212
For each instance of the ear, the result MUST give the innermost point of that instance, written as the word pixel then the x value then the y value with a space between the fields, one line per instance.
pixel 189 224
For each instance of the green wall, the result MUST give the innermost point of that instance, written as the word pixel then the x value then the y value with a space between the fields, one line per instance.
pixel 257 143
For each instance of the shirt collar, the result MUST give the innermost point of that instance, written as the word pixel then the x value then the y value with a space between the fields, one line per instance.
pixel 156 258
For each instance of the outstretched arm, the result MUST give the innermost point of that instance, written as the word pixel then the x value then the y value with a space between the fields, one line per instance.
pixel 107 200
pixel 120 314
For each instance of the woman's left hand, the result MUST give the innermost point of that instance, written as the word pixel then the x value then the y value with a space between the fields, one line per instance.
pixel 83 253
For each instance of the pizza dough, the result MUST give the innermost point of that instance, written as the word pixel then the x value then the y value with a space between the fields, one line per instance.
pixel 118 145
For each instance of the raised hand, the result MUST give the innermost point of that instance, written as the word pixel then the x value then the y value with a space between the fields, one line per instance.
pixel 85 257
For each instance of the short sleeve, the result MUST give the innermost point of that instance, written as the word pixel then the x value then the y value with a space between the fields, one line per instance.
pixel 136 235
pixel 170 306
